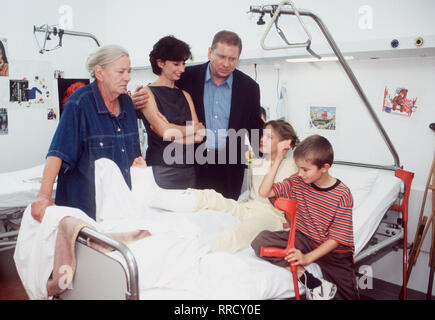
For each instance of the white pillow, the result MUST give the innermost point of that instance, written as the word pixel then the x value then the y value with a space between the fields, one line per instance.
pixel 360 182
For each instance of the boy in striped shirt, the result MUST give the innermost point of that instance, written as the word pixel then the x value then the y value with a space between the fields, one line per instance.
pixel 324 229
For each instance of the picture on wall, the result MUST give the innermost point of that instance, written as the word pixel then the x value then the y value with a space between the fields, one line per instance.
pixel 66 87
pixel 397 102
pixel 4 62
pixel 19 90
pixel 323 118
pixel 3 121
pixel 51 114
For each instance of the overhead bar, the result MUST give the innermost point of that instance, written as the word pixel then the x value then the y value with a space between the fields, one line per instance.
pixel 289 11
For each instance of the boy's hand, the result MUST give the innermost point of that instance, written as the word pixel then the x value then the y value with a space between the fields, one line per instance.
pixel 296 257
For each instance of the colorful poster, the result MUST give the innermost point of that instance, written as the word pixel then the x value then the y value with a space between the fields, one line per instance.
pixel 19 91
pixel 323 118
pixel 66 87
pixel 3 121
pixel 398 102
pixel 51 114
pixel 27 92
pixel 4 61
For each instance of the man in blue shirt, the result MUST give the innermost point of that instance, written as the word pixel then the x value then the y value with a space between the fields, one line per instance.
pixel 217 98
pixel 99 121
pixel 225 100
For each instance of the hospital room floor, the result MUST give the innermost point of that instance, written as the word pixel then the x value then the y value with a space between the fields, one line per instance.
pixel 10 284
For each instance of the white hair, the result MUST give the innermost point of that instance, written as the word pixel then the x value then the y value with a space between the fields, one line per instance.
pixel 104 56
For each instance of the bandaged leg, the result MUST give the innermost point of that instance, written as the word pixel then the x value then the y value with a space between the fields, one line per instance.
pixel 212 200
pixel 146 192
pixel 192 200
pixel 113 198
pixel 143 185
pixel 174 200
pixel 240 236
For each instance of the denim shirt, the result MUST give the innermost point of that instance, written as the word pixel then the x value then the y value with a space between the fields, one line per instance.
pixel 217 107
pixel 86 132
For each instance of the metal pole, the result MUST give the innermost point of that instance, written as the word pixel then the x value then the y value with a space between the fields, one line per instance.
pixel 344 64
pixel 52 30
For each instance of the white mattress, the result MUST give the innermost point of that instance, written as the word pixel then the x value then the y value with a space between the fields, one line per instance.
pixel 20 188
pixel 373 191
pixel 366 218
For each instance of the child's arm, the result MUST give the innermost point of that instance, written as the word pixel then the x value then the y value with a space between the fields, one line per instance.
pixel 299 259
pixel 265 190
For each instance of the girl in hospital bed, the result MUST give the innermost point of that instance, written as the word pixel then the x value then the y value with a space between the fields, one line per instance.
pixel 255 214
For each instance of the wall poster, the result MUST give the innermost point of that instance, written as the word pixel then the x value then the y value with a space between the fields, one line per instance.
pixel 323 118
pixel 4 61
pixel 398 102
pixel 3 121
pixel 66 87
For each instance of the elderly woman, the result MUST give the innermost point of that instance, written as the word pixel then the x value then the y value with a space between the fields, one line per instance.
pixel 98 121
pixel 170 117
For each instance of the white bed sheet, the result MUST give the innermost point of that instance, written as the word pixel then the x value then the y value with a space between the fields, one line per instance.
pixel 178 264
pixel 176 261
pixel 373 191
pixel 206 275
pixel 19 188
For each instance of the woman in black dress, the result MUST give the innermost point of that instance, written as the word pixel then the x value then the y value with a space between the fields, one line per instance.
pixel 170 119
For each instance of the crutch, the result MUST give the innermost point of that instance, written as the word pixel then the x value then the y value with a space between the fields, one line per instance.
pixel 289 208
pixel 406 177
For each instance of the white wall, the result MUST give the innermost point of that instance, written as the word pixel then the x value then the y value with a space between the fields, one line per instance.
pixel 30 132
pixel 197 21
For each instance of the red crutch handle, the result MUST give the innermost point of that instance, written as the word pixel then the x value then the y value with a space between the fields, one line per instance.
pixel 272 252
pixel 289 207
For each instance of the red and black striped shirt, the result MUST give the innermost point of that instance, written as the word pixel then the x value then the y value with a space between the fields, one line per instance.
pixel 322 214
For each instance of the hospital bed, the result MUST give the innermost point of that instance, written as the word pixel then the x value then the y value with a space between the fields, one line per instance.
pixel 130 272
pixel 17 190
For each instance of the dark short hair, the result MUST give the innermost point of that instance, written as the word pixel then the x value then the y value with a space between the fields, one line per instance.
pixel 3 52
pixel 228 37
pixel 316 149
pixel 168 48
pixel 263 112
pixel 284 130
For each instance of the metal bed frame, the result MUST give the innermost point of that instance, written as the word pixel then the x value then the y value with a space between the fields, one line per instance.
pixel 130 275
pixel 9 228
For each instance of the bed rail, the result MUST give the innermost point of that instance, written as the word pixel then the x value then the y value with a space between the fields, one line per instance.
pixel 366 165
pixel 133 277
pixel 271 9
